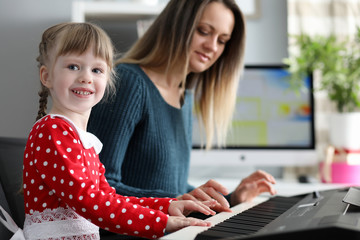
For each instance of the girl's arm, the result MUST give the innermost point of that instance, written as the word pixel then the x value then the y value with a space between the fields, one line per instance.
pixel 72 175
pixel 161 204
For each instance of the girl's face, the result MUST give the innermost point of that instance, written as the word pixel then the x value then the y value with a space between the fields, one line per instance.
pixel 76 82
pixel 210 37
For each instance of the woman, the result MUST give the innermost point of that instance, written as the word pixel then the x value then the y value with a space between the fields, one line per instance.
pixel 192 52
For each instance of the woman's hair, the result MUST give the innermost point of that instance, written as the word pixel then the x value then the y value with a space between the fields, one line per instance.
pixel 166 45
pixel 65 38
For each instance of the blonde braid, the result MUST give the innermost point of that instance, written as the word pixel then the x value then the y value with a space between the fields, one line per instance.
pixel 43 93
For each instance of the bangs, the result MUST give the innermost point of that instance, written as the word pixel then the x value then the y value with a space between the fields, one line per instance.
pixel 79 37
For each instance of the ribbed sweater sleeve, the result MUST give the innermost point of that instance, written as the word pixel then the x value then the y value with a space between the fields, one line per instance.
pixel 146 142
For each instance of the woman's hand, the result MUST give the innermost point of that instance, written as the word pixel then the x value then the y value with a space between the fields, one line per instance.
pixel 185 207
pixel 250 187
pixel 210 190
pixel 176 223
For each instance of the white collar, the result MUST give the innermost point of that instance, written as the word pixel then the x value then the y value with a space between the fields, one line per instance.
pixel 87 139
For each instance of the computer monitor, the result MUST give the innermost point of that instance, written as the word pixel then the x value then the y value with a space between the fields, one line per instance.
pixel 273 124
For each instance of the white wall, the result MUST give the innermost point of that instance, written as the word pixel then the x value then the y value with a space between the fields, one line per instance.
pixel 21 25
pixel 267 36
pixel 23 21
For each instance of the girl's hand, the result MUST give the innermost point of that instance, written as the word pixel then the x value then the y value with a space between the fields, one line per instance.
pixel 250 187
pixel 210 190
pixel 175 223
pixel 185 207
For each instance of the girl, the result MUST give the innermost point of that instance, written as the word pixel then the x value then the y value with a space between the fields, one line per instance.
pixel 192 47
pixel 66 194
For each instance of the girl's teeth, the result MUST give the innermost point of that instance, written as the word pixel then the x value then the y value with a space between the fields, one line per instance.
pixel 82 92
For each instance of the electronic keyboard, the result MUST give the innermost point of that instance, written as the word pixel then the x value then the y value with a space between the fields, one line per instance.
pixel 332 214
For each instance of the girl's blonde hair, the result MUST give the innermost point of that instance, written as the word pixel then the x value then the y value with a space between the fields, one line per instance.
pixel 166 45
pixel 65 38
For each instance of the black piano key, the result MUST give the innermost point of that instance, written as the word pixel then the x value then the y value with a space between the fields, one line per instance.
pixel 251 220
pixel 263 216
pixel 246 221
pixel 235 231
pixel 211 234
pixel 253 228
pixel 263 212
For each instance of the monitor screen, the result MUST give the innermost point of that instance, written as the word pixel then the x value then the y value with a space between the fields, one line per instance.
pixel 273 123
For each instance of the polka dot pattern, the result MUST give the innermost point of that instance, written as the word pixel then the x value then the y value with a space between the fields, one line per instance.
pixel 59 172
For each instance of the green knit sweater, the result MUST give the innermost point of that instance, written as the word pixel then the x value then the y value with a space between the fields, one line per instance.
pixel 147 142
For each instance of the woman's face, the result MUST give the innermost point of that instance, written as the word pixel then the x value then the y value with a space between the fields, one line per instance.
pixel 210 37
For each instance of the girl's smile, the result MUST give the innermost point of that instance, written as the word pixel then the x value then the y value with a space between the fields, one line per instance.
pixel 82 92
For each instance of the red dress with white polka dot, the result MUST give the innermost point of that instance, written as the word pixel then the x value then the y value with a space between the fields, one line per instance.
pixel 60 173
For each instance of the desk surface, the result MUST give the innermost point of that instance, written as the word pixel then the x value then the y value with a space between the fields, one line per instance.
pixel 284 188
